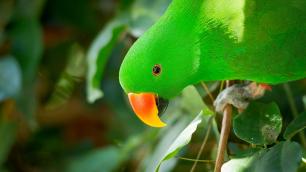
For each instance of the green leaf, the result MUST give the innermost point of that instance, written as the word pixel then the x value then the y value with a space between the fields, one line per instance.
pixel 8 131
pixel 259 124
pixel 98 54
pixel 102 160
pixel 28 54
pixel 168 135
pixel 180 140
pixel 283 157
pixel 297 125
pixel 10 77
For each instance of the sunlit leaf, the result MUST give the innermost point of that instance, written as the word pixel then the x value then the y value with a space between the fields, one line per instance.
pixel 98 54
pixel 180 140
pixel 10 77
pixel 104 160
pixel 259 124
pixel 297 125
pixel 164 143
pixel 283 157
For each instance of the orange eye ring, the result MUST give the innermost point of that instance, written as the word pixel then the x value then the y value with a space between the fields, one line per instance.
pixel 156 70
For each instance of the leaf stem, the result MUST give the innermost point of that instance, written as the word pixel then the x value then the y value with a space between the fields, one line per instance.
pixel 196 160
pixel 208 92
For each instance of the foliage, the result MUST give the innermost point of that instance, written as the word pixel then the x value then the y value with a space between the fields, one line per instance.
pixel 274 159
pixel 54 57
pixel 259 124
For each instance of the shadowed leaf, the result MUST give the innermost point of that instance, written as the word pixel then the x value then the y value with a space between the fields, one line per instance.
pixel 259 124
pixel 283 157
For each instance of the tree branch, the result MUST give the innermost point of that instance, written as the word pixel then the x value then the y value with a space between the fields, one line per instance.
pixel 225 131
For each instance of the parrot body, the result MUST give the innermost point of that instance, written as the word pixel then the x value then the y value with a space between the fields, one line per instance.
pixel 208 40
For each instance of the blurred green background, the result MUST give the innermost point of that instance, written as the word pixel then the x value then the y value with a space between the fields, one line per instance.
pixel 55 57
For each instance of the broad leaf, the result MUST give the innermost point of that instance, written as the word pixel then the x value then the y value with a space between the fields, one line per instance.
pixel 259 124
pixel 28 55
pixel 10 77
pixel 181 140
pixel 295 126
pixel 166 140
pixel 98 54
pixel 283 157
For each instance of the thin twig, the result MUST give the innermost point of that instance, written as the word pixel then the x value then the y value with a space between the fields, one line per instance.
pixel 225 131
pixel 294 110
pixel 196 160
pixel 208 92
pixel 203 143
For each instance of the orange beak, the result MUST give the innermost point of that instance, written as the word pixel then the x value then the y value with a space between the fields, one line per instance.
pixel 144 106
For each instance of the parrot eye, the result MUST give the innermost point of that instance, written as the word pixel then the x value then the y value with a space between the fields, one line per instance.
pixel 156 69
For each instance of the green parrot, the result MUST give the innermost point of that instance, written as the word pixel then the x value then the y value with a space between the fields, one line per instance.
pixel 208 40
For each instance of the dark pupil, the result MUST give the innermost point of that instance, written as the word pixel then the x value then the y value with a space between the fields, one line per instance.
pixel 156 69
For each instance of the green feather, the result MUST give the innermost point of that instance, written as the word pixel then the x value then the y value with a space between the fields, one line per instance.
pixel 206 40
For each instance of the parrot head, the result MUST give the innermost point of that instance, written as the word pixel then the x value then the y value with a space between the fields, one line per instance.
pixel 157 67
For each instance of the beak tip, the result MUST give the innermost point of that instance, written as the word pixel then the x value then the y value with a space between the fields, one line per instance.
pixel 144 106
pixel 161 125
